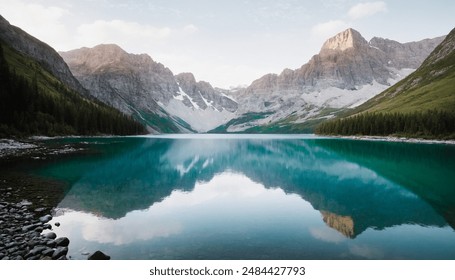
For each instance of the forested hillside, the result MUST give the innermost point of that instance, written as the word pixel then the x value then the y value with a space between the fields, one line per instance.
pixel 428 124
pixel 34 102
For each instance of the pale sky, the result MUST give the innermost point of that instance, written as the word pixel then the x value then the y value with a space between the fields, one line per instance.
pixel 227 43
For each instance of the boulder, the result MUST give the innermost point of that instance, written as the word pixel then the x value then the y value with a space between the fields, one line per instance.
pixel 62 242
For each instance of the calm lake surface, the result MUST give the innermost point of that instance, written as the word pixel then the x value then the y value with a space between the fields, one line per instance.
pixel 256 197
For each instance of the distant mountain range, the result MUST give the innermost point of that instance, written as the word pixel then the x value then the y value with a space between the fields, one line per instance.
pixel 346 73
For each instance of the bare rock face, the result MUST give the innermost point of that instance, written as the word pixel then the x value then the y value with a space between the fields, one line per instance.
pixel 348 61
pixel 407 55
pixel 125 81
pixel 203 94
pixel 348 39
pixel 43 53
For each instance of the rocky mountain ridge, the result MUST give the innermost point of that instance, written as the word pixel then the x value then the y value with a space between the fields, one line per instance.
pixel 347 71
pixel 137 85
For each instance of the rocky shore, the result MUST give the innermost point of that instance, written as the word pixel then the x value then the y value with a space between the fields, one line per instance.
pixel 25 207
pixel 26 204
pixel 21 233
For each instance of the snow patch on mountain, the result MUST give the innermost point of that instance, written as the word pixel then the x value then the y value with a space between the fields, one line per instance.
pixel 343 98
pixel 200 120
pixel 183 95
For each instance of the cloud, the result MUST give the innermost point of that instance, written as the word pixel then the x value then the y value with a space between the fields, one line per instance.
pixel 132 33
pixel 366 251
pixel 45 23
pixel 362 10
pixel 190 28
pixel 325 30
pixel 326 234
pixel 329 28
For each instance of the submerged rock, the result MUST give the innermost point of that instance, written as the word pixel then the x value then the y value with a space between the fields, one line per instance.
pixel 98 255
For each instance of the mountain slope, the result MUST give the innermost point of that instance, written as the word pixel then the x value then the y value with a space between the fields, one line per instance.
pixel 424 102
pixel 46 56
pixel 347 71
pixel 139 86
pixel 33 101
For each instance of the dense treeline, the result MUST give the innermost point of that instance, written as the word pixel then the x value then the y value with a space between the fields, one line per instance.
pixel 428 124
pixel 27 109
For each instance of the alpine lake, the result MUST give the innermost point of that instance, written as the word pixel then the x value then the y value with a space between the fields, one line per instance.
pixel 253 197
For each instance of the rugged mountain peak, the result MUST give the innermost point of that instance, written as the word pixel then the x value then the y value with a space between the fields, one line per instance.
pixel 347 39
pixel 187 78
pixel 101 57
pixel 108 51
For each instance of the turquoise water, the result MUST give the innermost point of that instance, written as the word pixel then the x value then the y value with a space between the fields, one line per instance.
pixel 257 197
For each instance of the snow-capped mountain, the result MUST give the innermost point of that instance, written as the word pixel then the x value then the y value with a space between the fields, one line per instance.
pixel 347 72
pixel 139 86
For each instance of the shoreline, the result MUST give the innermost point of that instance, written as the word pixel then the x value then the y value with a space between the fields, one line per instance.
pixel 27 203
pixel 393 139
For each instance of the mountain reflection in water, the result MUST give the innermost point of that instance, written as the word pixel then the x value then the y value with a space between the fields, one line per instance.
pixel 274 196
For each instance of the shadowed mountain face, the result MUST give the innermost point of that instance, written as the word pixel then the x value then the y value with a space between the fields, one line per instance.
pixel 354 189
